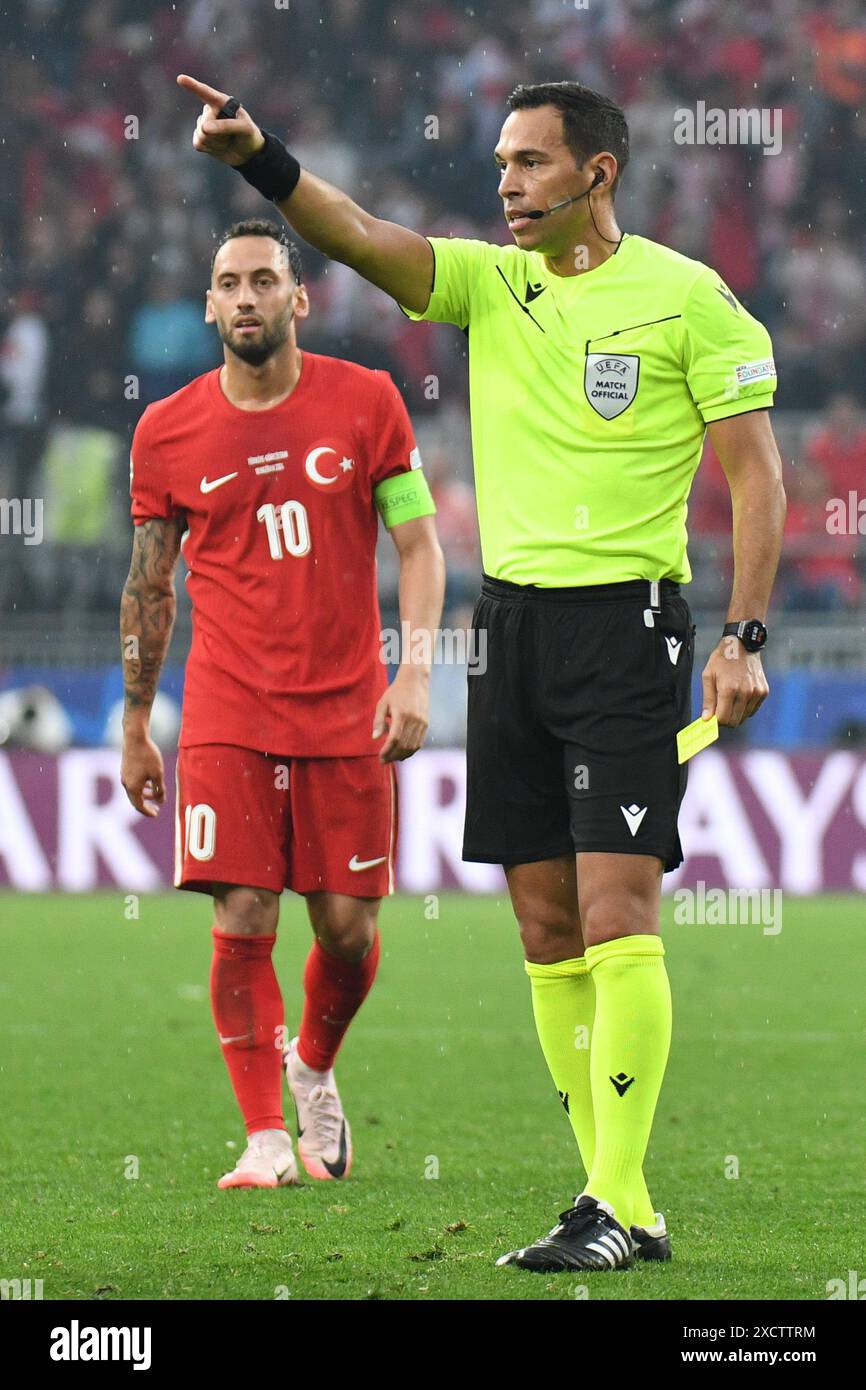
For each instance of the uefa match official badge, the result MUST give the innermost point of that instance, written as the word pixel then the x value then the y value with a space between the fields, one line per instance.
pixel 611 382
pixel 329 466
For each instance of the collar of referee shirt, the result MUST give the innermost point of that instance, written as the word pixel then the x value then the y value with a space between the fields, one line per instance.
pixel 605 266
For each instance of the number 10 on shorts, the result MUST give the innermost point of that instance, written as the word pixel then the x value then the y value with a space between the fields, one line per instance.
pixel 200 831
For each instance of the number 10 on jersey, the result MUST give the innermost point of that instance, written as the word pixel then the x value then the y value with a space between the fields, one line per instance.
pixel 287 527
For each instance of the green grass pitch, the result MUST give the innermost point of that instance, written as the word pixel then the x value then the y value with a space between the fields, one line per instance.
pixel 109 1065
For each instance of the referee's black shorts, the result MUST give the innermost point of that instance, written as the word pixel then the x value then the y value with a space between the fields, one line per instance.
pixel 574 708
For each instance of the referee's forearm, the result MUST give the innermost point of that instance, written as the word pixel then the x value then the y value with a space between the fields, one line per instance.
pixel 328 219
pixel 394 258
pixel 759 508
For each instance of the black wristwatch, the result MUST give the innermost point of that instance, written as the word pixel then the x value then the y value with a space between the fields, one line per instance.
pixel 751 632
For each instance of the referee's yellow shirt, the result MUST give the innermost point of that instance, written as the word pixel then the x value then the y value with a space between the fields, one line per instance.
pixel 589 398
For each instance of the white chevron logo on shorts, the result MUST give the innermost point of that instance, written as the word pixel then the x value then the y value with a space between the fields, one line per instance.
pixel 634 814
pixel 673 649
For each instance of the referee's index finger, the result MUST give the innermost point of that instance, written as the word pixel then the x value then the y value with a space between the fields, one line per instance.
pixel 207 94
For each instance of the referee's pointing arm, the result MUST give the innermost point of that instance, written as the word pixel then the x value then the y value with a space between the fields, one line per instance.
pixel 394 258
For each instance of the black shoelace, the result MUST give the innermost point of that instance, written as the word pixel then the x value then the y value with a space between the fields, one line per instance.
pixel 575 1219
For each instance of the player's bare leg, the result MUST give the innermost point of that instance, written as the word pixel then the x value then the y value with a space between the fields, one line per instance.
pixel 248 1012
pixel 340 971
pixel 594 932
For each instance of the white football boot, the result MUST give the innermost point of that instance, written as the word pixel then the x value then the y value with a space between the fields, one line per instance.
pixel 324 1137
pixel 267 1161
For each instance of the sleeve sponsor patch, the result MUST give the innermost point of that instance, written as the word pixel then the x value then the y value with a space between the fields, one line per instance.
pixel 754 371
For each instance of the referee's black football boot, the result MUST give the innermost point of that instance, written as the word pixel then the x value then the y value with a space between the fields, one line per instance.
pixel 651 1242
pixel 588 1237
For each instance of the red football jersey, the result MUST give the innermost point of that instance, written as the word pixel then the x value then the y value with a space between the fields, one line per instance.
pixel 281 552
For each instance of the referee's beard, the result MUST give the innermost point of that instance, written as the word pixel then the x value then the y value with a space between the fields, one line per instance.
pixel 262 345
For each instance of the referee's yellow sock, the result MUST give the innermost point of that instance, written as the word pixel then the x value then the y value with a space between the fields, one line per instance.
pixel 563 1002
pixel 630 1044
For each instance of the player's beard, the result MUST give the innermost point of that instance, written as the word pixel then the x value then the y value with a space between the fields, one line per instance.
pixel 267 342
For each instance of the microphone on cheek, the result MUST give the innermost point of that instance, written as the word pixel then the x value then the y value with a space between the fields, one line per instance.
pixel 566 202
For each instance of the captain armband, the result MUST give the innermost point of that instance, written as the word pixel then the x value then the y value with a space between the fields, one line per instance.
pixel 404 497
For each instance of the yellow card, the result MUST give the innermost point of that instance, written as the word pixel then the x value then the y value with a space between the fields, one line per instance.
pixel 696 736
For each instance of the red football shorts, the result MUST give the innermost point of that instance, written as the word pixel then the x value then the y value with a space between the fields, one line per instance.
pixel 310 824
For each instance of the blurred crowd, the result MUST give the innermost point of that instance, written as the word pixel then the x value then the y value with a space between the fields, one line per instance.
pixel 109 219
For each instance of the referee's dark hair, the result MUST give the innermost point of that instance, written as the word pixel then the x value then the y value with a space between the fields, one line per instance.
pixel 260 226
pixel 590 122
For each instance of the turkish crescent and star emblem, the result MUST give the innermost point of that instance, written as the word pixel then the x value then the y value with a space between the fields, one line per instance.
pixel 329 466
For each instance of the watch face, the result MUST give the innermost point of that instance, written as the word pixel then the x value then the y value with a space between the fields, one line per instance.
pixel 754 635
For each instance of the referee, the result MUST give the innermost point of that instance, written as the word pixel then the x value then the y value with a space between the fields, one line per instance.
pixel 597 362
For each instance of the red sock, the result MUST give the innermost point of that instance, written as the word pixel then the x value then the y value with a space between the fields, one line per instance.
pixel 248 1011
pixel 334 992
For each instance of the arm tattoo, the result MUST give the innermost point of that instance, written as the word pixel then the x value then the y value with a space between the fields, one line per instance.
pixel 147 608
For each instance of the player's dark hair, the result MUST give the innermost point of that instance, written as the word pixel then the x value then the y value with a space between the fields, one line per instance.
pixel 260 226
pixel 590 122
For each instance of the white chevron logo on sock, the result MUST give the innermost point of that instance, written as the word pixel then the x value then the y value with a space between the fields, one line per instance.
pixel 634 814
pixel 673 649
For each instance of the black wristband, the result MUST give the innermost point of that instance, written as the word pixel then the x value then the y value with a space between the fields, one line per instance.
pixel 271 170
